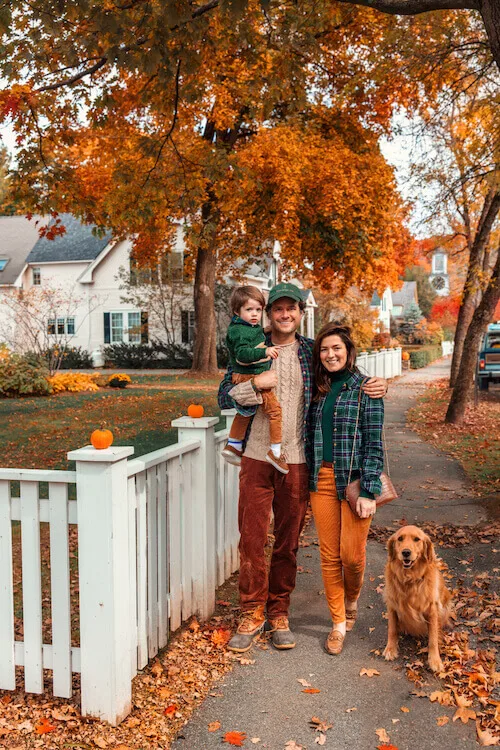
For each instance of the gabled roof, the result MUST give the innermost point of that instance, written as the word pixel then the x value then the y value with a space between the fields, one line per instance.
pixel 407 294
pixel 17 238
pixel 77 243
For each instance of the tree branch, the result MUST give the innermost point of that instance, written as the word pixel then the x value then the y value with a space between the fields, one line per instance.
pixel 414 7
pixel 172 127
pixel 68 81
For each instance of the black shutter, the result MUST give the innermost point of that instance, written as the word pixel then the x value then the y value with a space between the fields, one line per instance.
pixel 107 328
pixel 185 326
pixel 144 328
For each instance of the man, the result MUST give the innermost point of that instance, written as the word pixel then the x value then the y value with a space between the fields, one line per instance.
pixel 264 489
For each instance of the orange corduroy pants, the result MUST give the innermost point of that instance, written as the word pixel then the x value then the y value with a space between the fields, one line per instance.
pixel 342 543
pixel 271 407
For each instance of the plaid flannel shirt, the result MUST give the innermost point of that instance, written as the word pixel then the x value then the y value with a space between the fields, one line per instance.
pixel 368 461
pixel 305 359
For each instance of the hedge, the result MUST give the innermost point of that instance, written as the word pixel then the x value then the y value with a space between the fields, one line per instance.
pixel 155 355
pixel 424 355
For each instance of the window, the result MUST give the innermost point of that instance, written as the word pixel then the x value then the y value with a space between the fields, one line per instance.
pixel 37 279
pixel 61 326
pixel 125 327
pixel 439 263
pixel 3 263
pixel 187 326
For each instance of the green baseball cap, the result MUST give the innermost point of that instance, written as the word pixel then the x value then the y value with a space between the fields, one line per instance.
pixel 284 290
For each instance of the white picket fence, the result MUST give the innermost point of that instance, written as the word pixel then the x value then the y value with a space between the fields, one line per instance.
pixel 385 363
pixel 447 348
pixel 156 536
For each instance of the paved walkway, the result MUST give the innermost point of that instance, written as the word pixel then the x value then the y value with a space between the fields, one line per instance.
pixel 265 700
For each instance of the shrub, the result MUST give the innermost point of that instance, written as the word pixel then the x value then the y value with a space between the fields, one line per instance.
pixel 428 332
pixel 129 356
pixel 120 380
pixel 381 340
pixel 23 376
pixel 173 356
pixel 71 357
pixel 75 382
pixel 424 355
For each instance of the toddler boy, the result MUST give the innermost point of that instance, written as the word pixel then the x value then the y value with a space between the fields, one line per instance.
pixel 250 356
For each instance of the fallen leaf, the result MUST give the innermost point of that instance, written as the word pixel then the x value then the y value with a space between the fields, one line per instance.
pixel 303 682
pixel 157 669
pixel 368 672
pixel 387 747
pixel 60 716
pixel 222 603
pixel 164 693
pixel 405 709
pixel 255 740
pixel 26 725
pixel 292 745
pixel 348 710
pixel 464 714
pixel 444 697
pixel 194 625
pixel 44 726
pixel 485 737
pixel 246 661
pixel 170 710
pixel 442 720
pixel 221 636
pixel 311 690
pixel 382 735
pixel 320 739
pixel 100 742
pixel 235 738
pixel 214 726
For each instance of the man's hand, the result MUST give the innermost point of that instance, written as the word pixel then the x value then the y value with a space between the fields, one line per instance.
pixel 265 380
pixel 365 507
pixel 376 387
pixel 272 352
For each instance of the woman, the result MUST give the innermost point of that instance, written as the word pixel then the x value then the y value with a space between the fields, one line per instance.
pixel 331 430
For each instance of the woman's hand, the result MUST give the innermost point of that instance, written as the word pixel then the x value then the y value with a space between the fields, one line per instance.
pixel 376 387
pixel 365 507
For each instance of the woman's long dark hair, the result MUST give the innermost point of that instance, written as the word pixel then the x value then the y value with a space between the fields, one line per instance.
pixel 321 374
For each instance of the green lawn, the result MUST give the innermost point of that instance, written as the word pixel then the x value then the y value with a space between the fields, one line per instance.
pixel 38 432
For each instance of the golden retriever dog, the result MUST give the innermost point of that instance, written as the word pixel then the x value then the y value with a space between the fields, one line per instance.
pixel 418 602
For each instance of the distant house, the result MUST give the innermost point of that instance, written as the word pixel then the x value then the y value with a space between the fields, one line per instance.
pixel 86 268
pixel 393 304
pixel 439 278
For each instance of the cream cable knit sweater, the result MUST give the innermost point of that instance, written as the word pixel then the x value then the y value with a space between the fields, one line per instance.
pixel 290 393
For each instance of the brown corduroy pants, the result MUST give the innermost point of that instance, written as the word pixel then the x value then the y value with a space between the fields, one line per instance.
pixel 262 489
pixel 271 407
pixel 342 545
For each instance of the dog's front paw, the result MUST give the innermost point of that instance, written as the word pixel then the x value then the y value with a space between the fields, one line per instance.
pixel 436 664
pixel 390 652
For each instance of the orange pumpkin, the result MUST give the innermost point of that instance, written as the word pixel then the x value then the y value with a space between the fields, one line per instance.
pixel 195 411
pixel 405 356
pixel 101 439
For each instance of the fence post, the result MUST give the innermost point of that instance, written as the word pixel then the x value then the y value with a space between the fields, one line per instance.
pixel 106 639
pixel 399 365
pixel 204 510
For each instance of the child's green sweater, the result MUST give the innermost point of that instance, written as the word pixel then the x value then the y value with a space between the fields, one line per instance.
pixel 246 344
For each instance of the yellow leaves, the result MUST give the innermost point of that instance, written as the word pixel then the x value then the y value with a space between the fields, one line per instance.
pixel 75 382
pixel 485 737
pixel 214 726
pixel 442 720
pixel 382 735
pixel 444 697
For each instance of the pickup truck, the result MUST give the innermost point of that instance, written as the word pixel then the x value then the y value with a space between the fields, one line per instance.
pixel 488 363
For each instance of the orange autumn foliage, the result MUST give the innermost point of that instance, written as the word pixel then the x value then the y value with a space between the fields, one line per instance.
pixel 235 738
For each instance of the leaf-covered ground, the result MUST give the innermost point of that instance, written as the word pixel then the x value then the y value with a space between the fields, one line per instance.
pixel 36 433
pixel 476 443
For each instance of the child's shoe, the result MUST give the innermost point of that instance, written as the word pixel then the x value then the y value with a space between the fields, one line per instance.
pixel 279 463
pixel 232 454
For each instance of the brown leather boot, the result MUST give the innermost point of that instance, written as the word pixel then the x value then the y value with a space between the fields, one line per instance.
pixel 251 625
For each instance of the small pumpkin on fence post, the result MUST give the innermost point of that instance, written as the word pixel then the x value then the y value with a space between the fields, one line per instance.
pixel 101 439
pixel 195 411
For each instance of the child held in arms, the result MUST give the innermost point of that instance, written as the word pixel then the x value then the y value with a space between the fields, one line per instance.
pixel 249 356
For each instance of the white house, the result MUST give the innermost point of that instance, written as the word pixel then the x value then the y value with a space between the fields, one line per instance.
pixel 393 304
pixel 85 269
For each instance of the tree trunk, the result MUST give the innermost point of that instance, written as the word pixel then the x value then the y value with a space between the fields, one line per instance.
pixel 465 379
pixel 489 213
pixel 490 11
pixel 205 344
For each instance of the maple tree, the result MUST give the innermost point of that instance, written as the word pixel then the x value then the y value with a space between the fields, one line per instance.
pixel 133 116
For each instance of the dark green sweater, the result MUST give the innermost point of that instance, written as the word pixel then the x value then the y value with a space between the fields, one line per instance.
pixel 247 347
pixel 337 380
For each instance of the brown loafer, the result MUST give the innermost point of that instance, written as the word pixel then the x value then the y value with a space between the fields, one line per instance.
pixel 350 616
pixel 334 642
